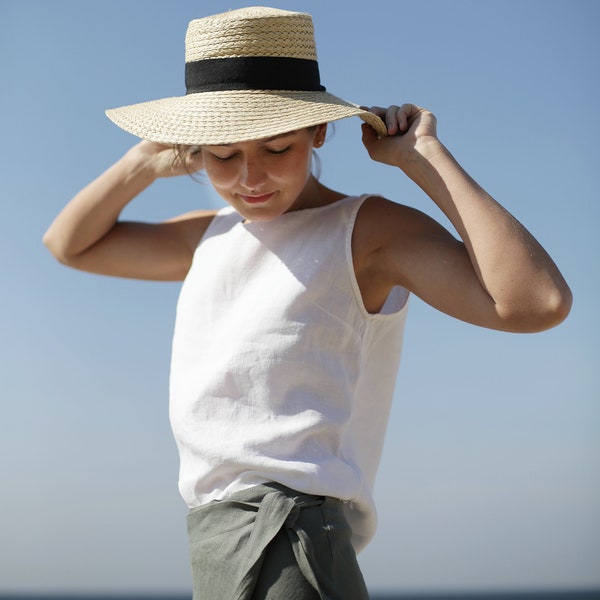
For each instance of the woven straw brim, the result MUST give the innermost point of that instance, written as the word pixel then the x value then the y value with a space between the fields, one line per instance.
pixel 227 117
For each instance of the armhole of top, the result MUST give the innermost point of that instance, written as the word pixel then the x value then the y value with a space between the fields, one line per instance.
pixel 397 299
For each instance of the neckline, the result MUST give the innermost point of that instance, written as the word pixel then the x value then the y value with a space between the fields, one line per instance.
pixel 288 214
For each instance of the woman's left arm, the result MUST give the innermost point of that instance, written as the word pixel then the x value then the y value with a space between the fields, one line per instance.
pixel 499 276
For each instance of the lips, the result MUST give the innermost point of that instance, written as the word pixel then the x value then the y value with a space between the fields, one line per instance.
pixel 257 199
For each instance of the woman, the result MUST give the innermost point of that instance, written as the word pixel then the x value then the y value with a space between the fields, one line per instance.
pixel 290 319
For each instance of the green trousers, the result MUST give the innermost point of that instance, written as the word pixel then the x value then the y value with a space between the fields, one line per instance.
pixel 273 543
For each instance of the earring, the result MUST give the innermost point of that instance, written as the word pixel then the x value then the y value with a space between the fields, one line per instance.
pixel 318 143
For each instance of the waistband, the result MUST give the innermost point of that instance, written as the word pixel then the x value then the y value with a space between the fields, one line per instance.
pixel 236 532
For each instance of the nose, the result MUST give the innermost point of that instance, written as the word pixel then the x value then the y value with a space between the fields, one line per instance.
pixel 253 173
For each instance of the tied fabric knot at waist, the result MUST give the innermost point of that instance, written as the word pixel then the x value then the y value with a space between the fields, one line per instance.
pixel 229 539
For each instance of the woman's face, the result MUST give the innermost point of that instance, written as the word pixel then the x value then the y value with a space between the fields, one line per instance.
pixel 262 179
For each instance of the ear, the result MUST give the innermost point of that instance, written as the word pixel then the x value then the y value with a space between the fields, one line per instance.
pixel 319 135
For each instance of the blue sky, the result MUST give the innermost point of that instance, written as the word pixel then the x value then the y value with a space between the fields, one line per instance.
pixel 491 472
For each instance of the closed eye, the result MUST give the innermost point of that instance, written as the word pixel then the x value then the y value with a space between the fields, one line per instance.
pixel 278 152
pixel 222 158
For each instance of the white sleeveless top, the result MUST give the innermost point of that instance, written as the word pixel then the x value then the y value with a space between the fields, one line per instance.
pixel 278 371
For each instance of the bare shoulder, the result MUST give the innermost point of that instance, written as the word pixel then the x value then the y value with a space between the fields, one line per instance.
pixel 197 216
pixel 381 222
pixel 153 251
pixel 395 244
pixel 191 226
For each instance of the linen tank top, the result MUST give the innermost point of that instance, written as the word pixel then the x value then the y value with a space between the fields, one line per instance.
pixel 278 372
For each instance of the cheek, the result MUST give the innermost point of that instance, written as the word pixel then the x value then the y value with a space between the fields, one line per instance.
pixel 296 169
pixel 219 174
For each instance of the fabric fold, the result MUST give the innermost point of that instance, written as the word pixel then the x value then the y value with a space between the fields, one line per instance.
pixel 229 540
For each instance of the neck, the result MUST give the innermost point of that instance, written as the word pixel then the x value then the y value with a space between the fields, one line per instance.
pixel 315 194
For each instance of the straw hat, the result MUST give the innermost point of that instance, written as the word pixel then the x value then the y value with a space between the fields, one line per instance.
pixel 250 73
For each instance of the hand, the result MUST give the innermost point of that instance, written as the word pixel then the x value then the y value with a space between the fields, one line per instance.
pixel 408 126
pixel 169 161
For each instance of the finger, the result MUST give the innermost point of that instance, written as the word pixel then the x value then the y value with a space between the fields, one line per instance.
pixel 369 137
pixel 392 121
pixel 406 116
pixel 368 133
pixel 376 110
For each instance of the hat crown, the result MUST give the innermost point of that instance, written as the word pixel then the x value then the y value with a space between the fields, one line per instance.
pixel 253 31
pixel 249 74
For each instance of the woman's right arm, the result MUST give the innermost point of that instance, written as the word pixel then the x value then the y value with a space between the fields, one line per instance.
pixel 88 235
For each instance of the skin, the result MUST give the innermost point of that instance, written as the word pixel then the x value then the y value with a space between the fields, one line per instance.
pixel 496 275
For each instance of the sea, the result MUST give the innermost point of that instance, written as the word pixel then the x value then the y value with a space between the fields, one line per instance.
pixel 528 595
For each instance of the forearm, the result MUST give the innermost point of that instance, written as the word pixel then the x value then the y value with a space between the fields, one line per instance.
pixel 93 212
pixel 511 265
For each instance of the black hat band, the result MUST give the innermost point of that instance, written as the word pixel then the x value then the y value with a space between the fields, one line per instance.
pixel 252 73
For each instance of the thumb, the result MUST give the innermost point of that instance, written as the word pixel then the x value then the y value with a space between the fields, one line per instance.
pixel 369 136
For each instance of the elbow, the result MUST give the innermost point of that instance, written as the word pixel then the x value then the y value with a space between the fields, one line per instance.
pixel 49 240
pixel 561 306
pixel 548 310
pixel 56 248
pixel 555 311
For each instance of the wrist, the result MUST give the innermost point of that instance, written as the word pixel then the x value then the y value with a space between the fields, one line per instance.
pixel 426 151
pixel 139 164
pixel 429 163
pixel 429 146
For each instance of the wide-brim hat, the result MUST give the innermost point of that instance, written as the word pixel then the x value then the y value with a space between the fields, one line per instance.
pixel 250 73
